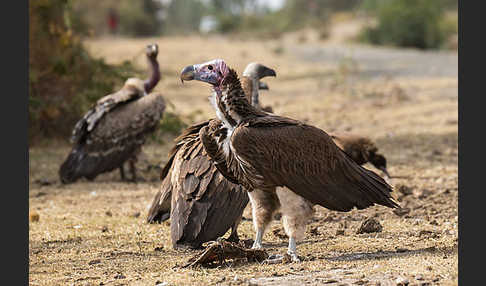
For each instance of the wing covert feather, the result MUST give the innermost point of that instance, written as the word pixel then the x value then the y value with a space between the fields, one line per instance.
pixel 306 160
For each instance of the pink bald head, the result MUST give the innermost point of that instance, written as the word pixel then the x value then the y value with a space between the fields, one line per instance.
pixel 212 72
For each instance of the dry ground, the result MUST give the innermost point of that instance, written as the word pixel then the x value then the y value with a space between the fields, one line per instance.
pixel 93 233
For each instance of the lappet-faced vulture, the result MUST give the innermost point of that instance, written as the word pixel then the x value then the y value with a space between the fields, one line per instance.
pixel 263 151
pixel 113 131
pixel 202 203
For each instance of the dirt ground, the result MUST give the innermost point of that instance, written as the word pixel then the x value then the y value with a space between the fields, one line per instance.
pixel 93 233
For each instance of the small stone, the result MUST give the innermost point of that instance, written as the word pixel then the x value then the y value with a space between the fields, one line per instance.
pixel 401 250
pixel 119 276
pixel 402 281
pixel 340 232
pixel 422 193
pixel 401 211
pixel 434 222
pixel 429 268
pixel 314 230
pixel 136 214
pixel 104 228
pixel 108 213
pixel 159 248
pixel 43 182
pixel 34 217
pixel 95 261
pixel 370 225
pixel 419 277
pixel 405 190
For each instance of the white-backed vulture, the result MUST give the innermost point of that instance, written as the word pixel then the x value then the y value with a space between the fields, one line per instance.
pixel 262 151
pixel 114 129
pixel 202 203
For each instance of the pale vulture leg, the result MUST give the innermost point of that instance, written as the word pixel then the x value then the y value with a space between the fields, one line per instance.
pixel 296 212
pixel 263 205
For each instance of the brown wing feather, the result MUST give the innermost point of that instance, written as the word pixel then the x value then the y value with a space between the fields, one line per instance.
pixel 285 152
pixel 160 209
pixel 204 205
pixel 104 105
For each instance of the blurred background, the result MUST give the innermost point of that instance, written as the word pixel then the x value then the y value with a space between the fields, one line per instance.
pixel 69 71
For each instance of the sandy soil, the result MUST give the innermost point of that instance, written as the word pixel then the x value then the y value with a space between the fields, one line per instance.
pixel 93 233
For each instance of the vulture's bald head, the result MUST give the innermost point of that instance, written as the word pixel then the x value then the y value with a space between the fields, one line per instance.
pixel 212 72
pixel 258 71
pixel 152 50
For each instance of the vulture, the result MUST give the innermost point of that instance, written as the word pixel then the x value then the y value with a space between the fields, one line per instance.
pixel 361 149
pixel 200 201
pixel 113 131
pixel 282 163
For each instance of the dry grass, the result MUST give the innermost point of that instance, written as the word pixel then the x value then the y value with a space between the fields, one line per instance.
pixel 93 233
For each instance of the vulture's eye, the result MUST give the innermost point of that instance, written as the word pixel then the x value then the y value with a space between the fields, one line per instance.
pixel 210 68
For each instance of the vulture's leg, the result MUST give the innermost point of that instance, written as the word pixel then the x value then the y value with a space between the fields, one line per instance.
pixel 133 170
pixel 133 159
pixel 122 173
pixel 234 231
pixel 263 206
pixel 296 212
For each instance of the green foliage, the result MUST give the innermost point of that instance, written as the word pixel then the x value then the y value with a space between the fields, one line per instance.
pixel 64 81
pixel 408 23
pixel 171 123
pixel 244 17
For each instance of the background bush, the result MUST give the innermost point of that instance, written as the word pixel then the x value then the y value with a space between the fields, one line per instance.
pixel 409 23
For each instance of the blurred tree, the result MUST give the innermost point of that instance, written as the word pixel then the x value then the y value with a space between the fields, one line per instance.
pixel 408 23
pixel 63 78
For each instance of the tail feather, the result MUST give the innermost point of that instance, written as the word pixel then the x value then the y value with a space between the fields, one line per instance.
pixel 70 171
pixel 160 208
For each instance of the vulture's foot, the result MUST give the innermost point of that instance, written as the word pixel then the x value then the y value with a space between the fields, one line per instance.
pixel 233 237
pixel 257 245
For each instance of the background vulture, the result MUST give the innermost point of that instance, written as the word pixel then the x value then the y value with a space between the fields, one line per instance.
pixel 361 149
pixel 264 151
pixel 202 203
pixel 114 129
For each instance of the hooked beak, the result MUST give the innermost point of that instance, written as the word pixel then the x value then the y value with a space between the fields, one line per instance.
pixel 188 73
pixel 269 72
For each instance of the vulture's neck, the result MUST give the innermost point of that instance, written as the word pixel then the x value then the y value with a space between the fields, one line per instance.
pixel 230 102
pixel 154 78
pixel 250 87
